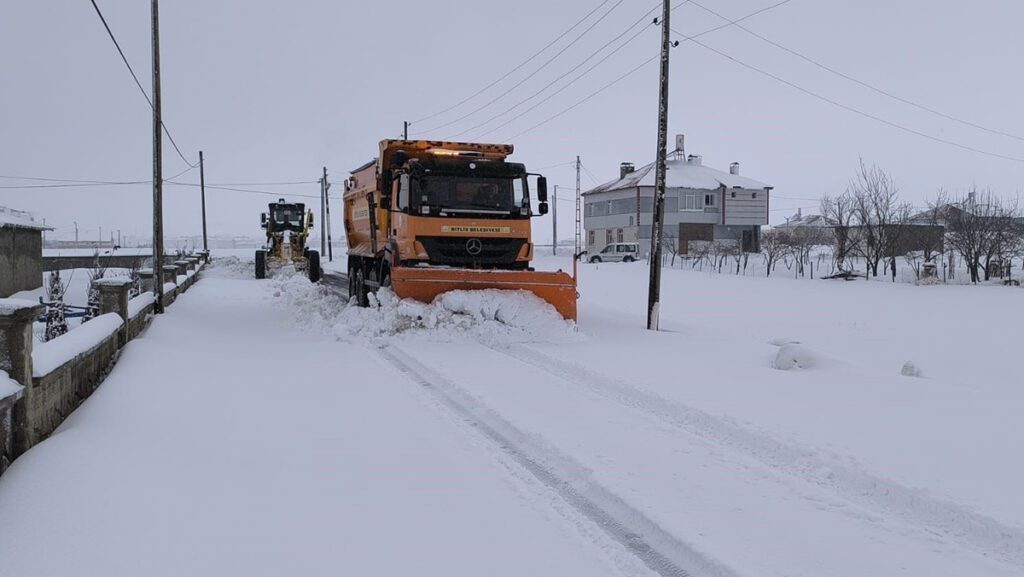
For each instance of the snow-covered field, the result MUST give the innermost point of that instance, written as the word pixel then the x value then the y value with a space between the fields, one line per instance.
pixel 773 427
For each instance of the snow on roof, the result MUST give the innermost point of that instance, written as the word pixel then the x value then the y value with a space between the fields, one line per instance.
pixel 681 173
pixel 799 219
pixel 19 219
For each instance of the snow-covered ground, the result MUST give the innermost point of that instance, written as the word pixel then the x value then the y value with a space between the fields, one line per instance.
pixel 773 427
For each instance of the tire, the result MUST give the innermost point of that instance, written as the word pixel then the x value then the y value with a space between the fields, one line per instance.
pixel 313 261
pixel 595 259
pixel 359 284
pixel 627 259
pixel 261 264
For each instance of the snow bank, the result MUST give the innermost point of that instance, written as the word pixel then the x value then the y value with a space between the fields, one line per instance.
pixel 137 304
pixel 47 357
pixel 8 386
pixel 491 315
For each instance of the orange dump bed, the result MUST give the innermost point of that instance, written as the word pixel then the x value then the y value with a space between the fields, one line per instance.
pixel 424 283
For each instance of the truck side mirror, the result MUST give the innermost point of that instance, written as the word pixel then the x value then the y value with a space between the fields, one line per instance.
pixel 542 208
pixel 542 189
pixel 263 220
pixel 310 220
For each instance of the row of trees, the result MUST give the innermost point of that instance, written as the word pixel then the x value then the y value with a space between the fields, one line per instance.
pixel 870 221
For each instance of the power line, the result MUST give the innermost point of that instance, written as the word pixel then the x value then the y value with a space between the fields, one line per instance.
pixel 850 108
pixel 571 70
pixel 535 72
pixel 641 65
pixel 861 82
pixel 510 72
pixel 137 83
pixel 248 190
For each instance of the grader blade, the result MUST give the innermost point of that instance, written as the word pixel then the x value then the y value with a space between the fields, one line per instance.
pixel 423 284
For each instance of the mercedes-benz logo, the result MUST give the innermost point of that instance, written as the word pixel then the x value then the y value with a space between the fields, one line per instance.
pixel 474 246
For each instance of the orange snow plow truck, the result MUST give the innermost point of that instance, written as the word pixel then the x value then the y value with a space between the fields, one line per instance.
pixel 428 217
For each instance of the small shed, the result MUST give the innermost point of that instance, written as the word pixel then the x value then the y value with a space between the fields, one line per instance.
pixel 21 251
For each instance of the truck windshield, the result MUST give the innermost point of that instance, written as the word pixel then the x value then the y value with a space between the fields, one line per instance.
pixel 486 195
pixel 288 216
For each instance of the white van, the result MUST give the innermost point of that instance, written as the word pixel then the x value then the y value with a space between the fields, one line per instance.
pixel 618 251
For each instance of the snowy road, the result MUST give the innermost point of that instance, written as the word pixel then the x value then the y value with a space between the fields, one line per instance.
pixel 265 428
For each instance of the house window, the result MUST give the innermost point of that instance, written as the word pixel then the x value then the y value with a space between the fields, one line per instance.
pixel 691 200
pixel 709 200
pixel 753 195
pixel 589 211
pixel 618 235
pixel 590 239
pixel 608 236
pixel 630 220
pixel 734 194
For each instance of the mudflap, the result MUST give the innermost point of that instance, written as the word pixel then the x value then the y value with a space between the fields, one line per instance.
pixel 424 284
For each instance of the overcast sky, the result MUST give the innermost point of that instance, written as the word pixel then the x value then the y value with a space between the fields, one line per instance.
pixel 274 91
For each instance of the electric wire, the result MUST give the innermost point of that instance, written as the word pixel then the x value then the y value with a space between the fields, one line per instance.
pixel 850 108
pixel 139 84
pixel 534 73
pixel 862 83
pixel 641 65
pixel 510 72
pixel 567 73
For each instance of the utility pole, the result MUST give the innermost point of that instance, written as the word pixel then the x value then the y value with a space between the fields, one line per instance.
pixel 405 130
pixel 579 236
pixel 554 222
pixel 158 176
pixel 654 291
pixel 327 221
pixel 323 209
pixel 202 193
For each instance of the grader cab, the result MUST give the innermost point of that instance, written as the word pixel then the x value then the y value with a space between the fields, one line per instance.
pixel 287 225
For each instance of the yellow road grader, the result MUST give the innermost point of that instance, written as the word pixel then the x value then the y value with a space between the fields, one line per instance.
pixel 287 225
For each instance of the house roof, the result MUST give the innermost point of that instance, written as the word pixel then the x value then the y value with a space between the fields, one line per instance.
pixel 19 219
pixel 681 173
pixel 804 220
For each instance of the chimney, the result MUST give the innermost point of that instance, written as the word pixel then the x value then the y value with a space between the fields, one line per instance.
pixel 734 168
pixel 625 168
pixel 680 146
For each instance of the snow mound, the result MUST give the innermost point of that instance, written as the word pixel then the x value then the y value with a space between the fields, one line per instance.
pixel 911 370
pixel 232 267
pixel 782 341
pixel 793 356
pixel 490 315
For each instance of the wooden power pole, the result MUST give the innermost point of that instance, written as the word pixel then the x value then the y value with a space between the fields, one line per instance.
pixel 654 291
pixel 323 208
pixel 327 219
pixel 158 176
pixel 554 222
pixel 202 192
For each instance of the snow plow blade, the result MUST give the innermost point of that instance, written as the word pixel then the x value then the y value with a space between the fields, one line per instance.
pixel 423 284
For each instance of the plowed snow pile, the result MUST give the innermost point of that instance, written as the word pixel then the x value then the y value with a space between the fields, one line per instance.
pixel 491 316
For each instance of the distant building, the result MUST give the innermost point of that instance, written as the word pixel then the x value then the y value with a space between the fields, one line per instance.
pixel 21 251
pixel 701 204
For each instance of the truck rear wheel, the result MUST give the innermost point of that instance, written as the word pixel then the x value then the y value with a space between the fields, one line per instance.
pixel 261 264
pixel 360 289
pixel 313 261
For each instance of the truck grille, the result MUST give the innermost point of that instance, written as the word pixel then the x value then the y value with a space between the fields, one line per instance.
pixel 457 250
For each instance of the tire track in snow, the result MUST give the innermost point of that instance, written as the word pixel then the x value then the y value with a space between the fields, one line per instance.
pixel 656 548
pixel 916 506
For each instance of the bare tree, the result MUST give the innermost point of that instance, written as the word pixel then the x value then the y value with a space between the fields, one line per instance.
pixel 671 244
pixel 800 241
pixel 982 230
pixel 773 247
pixel 839 214
pixel 880 217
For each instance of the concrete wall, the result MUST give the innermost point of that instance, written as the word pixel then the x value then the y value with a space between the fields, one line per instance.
pixel 55 395
pixel 21 253
pixel 7 431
